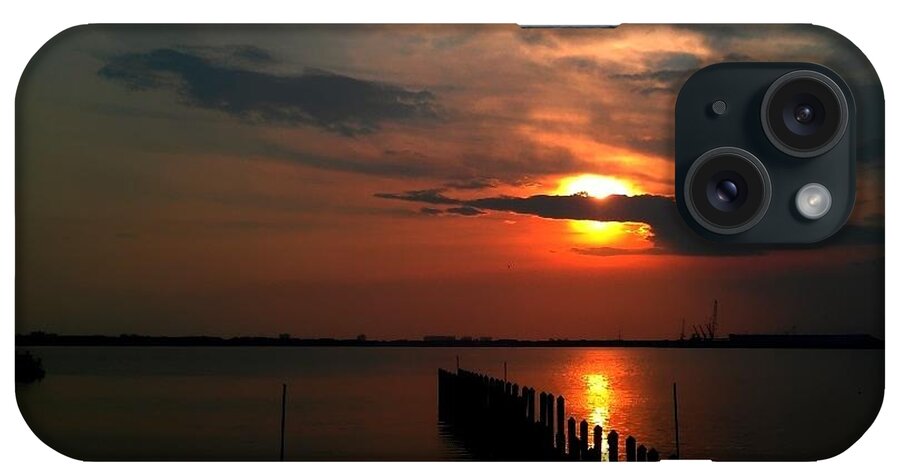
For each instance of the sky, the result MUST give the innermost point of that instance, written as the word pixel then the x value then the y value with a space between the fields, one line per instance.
pixel 400 181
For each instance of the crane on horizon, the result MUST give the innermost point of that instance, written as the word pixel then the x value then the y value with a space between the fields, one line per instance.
pixel 708 331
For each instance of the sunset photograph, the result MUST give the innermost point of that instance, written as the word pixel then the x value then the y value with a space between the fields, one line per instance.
pixel 421 242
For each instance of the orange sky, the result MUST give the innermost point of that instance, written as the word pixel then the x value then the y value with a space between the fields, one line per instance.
pixel 331 181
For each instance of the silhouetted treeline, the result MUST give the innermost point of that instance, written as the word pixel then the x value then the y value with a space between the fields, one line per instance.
pixel 849 341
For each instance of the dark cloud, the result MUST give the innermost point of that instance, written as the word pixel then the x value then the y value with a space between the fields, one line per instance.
pixel 666 81
pixel 807 43
pixel 669 233
pixel 736 57
pixel 472 184
pixel 727 37
pixel 430 211
pixel 465 211
pixel 230 54
pixel 676 62
pixel 252 53
pixel 336 103
pixel 641 208
pixel 433 196
pixel 581 64
pixel 664 73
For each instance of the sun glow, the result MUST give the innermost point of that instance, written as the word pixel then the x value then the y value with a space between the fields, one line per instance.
pixel 613 234
pixel 597 186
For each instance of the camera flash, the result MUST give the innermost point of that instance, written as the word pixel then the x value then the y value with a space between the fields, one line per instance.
pixel 813 201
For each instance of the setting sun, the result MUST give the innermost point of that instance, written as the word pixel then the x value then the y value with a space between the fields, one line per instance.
pixel 605 233
pixel 597 186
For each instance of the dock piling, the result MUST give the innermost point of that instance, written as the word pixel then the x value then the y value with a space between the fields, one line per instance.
pixel 630 450
pixel 495 421
pixel 283 405
pixel 613 441
pixel 583 438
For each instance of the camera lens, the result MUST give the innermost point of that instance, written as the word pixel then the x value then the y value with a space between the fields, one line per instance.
pixel 804 113
pixel 727 190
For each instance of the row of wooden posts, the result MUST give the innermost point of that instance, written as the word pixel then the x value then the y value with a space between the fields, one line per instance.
pixel 493 420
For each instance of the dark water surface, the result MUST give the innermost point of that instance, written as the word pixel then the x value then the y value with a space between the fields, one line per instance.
pixel 152 403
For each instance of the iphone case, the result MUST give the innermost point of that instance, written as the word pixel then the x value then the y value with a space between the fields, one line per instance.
pixel 419 242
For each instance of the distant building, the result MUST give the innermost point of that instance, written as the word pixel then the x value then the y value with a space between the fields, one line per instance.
pixel 361 338
pixel 284 336
pixel 439 338
pixel 466 338
pixel 485 339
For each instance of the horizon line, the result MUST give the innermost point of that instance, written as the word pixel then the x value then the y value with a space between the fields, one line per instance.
pixel 860 341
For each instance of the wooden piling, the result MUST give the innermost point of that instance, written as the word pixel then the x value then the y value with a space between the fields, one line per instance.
pixel 522 404
pixel 551 430
pixel 542 410
pixel 574 445
pixel 612 439
pixel 561 424
pixel 583 438
pixel 561 441
pixel 495 421
pixel 675 403
pixel 283 405
pixel 529 406
pixel 550 418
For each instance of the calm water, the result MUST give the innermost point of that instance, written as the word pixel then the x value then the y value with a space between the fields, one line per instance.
pixel 380 403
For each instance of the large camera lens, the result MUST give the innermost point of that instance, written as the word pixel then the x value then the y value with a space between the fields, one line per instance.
pixel 727 190
pixel 804 113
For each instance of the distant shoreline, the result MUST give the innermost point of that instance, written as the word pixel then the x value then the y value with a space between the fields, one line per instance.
pixel 733 341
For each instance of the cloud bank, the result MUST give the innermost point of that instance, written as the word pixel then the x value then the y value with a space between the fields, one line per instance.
pixel 337 103
pixel 670 234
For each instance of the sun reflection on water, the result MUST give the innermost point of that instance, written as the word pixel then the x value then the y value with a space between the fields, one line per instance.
pixel 598 397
